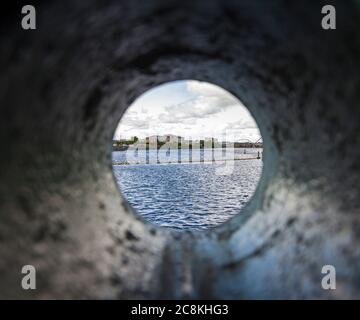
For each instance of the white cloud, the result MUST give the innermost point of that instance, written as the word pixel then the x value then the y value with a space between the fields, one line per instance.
pixel 188 108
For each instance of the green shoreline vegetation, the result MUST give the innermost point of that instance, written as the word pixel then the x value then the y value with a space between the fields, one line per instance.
pixel 174 142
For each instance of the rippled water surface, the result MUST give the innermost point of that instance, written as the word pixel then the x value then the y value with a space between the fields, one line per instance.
pixel 188 196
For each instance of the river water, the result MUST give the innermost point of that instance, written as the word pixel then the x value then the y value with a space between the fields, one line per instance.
pixel 188 196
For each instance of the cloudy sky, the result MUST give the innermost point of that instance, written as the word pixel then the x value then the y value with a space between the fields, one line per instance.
pixel 191 109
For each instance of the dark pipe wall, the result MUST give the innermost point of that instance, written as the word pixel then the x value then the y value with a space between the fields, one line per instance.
pixel 63 90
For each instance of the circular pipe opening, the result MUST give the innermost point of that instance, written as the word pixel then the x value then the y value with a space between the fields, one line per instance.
pixel 187 155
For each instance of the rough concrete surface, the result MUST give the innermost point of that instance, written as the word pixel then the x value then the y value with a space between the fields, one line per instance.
pixel 63 90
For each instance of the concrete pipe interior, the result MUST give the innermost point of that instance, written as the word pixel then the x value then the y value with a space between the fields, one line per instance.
pixel 64 88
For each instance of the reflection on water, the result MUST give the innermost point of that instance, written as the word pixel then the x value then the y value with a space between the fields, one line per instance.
pixel 188 196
